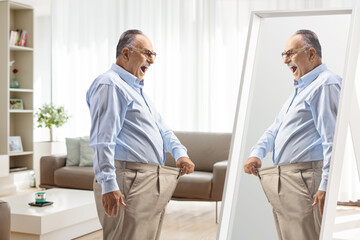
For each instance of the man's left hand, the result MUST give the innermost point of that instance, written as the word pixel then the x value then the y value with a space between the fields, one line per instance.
pixel 320 199
pixel 186 164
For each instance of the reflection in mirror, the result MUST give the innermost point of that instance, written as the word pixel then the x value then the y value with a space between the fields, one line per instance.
pixel 267 83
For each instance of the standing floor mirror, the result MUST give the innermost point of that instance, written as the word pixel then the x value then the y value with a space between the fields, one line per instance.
pixel 266 82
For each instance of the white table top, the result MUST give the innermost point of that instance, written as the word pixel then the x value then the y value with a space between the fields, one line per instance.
pixel 64 199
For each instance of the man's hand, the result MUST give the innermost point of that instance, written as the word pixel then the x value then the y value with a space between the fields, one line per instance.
pixel 251 164
pixel 320 199
pixel 186 164
pixel 111 202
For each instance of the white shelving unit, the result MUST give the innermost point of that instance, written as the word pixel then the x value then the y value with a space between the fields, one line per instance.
pixel 16 122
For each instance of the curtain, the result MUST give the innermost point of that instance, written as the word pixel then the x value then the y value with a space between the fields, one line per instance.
pixel 200 47
pixel 195 79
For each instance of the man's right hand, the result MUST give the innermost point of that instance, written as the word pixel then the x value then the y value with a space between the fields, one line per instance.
pixel 111 202
pixel 251 164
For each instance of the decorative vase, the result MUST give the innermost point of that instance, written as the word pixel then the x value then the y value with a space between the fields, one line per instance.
pixel 14 83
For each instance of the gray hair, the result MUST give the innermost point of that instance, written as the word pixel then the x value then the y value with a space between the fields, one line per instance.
pixel 310 39
pixel 127 39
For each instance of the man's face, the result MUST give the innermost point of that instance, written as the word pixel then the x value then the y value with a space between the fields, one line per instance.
pixel 138 61
pixel 299 61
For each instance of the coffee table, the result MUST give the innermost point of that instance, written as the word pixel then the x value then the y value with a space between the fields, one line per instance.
pixel 73 214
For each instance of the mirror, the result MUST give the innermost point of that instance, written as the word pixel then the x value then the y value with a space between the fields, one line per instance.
pixel 265 77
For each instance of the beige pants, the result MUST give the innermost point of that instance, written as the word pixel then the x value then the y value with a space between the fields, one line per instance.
pixel 147 190
pixel 291 190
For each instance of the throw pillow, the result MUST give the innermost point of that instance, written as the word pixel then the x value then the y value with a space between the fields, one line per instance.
pixel 73 151
pixel 86 152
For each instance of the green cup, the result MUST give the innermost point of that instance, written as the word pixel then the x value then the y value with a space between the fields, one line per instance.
pixel 40 197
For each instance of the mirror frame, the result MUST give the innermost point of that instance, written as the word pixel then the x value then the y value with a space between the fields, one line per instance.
pixel 234 170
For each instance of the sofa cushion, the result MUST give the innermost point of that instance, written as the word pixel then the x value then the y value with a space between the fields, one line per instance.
pixel 86 153
pixel 73 151
pixel 74 177
pixel 196 185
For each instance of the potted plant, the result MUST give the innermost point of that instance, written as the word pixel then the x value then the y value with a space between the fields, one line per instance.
pixel 50 116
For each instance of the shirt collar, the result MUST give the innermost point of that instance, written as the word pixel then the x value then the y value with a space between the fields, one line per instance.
pixel 308 78
pixel 130 79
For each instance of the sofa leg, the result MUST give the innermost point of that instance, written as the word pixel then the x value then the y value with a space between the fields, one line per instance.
pixel 216 214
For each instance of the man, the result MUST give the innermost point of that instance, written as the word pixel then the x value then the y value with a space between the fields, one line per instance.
pixel 129 138
pixel 301 139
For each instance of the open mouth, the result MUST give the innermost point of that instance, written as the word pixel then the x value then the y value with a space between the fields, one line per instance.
pixel 292 67
pixel 144 67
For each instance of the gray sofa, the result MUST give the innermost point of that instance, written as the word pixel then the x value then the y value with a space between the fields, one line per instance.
pixel 209 152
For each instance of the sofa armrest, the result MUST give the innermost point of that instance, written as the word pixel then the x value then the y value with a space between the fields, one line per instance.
pixel 219 173
pixel 5 219
pixel 48 166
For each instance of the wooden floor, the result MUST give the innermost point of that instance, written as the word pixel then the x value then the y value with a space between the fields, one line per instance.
pixel 347 223
pixel 196 220
pixel 182 221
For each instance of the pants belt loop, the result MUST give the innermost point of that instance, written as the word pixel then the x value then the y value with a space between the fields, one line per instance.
pixel 278 179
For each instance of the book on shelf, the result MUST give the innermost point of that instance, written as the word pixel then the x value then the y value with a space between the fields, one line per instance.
pixel 18 169
pixel 18 37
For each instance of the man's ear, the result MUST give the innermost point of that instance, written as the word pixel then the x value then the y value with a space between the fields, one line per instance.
pixel 125 52
pixel 312 53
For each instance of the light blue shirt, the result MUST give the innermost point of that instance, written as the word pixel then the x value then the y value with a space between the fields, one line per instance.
pixel 304 129
pixel 125 126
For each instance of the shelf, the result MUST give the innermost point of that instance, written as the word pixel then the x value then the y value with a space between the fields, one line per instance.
pixel 18 169
pixel 18 6
pixel 21 153
pixel 16 122
pixel 19 48
pixel 20 172
pixel 20 111
pixel 20 90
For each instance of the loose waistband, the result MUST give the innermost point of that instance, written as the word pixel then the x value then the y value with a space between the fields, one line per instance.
pixel 291 167
pixel 146 167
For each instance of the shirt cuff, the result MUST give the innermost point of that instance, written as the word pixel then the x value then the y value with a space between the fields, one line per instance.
pixel 257 153
pixel 323 185
pixel 109 186
pixel 180 153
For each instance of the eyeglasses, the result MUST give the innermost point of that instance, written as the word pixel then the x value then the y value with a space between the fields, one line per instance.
pixel 148 54
pixel 291 52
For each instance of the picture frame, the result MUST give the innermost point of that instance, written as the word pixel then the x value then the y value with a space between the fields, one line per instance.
pixel 15 145
pixel 16 104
